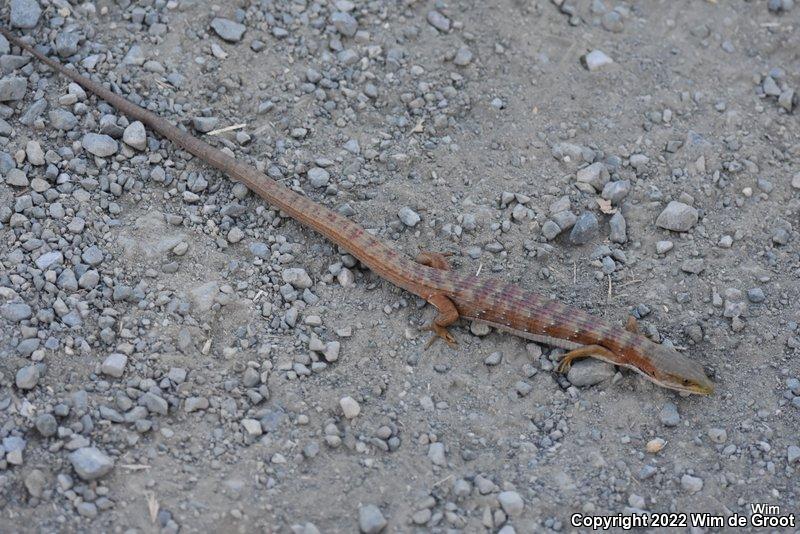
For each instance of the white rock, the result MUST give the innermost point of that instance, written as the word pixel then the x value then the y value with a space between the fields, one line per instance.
pixel 350 407
pixel 597 59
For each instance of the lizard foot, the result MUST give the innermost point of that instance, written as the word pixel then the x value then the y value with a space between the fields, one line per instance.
pixel 439 332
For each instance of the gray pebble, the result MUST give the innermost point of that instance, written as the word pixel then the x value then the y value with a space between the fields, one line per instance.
pixel 344 23
pixel 408 216
pixel 691 483
pixel 114 365
pixel 793 454
pixel 618 229
pixel 669 415
pixel 438 21
pixel 25 13
pixel 15 311
pixel 27 377
pixel 87 509
pixel 596 59
pixel 17 178
pixel 756 295
pixel 101 145
pixel 297 277
pixel 35 482
pixel 90 463
pixel 92 255
pixel 585 229
pixel 12 88
pixel 511 502
pixel 204 124
pixel 370 519
pixel 616 191
pixel 493 359
pixel 318 177
pixel 228 30
pixel 717 435
pixel 62 119
pixel 154 403
pixel 46 425
pixel 67 43
pixel 436 454
pixel 678 217
pixel 589 371
pixel 662 247
pixel 595 175
pixel 48 259
pixel 612 21
pixel 194 404
pixel 135 136
pixel 463 57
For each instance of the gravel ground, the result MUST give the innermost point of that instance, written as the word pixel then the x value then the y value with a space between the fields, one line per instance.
pixel 176 356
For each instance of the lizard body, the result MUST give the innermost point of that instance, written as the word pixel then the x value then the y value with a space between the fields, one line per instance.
pixel 490 300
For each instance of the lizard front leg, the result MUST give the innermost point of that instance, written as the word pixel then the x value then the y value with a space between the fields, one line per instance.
pixel 588 351
pixel 437 260
pixel 448 314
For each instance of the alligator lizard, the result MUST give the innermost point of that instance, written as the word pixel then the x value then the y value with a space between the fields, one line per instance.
pixel 489 300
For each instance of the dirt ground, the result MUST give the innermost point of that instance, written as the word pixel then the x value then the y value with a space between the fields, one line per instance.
pixel 177 356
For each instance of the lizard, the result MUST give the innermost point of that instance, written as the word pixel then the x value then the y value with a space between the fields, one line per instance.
pixel 505 306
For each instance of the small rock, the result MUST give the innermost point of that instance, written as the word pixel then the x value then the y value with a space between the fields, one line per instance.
pixel 408 216
pixel 678 217
pixel 585 229
pixel 511 502
pixel 463 57
pixel 717 435
pixel 15 312
pixel 135 136
pixel 204 124
pixel 252 427
pixel 154 403
pixel 17 178
pixel 493 359
pixel 438 21
pixel 691 484
pixel 12 88
pixel 756 295
pixel 596 59
pixel 35 482
pixel 350 407
pixel 344 23
pixel 595 175
pixel 618 229
pixel 589 371
pixel 370 519
pixel 46 425
pixel 114 365
pixel 318 177
pixel 61 119
pixel 793 454
pixel 235 235
pixel 101 145
pixel 228 30
pixel 25 13
pixel 90 463
pixel 436 454
pixel 662 247
pixel 669 415
pixel 194 404
pixel 27 377
pixel 48 259
pixel 297 277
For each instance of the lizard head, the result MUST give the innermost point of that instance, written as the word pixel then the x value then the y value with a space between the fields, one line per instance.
pixel 671 369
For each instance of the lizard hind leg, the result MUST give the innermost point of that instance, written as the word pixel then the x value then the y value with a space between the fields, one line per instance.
pixel 632 326
pixel 588 351
pixel 448 314
pixel 437 260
